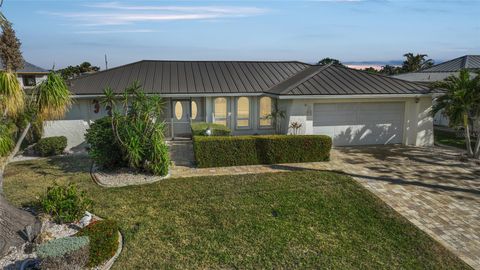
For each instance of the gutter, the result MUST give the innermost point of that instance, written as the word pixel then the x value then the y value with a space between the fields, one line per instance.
pixel 182 95
pixel 354 96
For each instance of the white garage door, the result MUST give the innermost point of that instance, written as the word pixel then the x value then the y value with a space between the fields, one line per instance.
pixel 360 123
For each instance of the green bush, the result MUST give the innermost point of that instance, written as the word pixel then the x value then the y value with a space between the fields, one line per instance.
pixel 104 149
pixel 64 203
pixel 138 127
pixel 103 235
pixel 225 150
pixel 276 149
pixel 199 128
pixel 64 253
pixel 269 149
pixel 50 146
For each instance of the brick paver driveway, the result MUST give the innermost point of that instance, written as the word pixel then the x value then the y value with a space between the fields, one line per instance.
pixel 431 187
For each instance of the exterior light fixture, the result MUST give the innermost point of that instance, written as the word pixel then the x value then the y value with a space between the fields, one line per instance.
pixel 208 132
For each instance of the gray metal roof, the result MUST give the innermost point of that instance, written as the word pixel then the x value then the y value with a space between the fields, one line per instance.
pixel 466 61
pixel 232 77
pixel 27 68
pixel 424 76
pixel 189 77
pixel 338 80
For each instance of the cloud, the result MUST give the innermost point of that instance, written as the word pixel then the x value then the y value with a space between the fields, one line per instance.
pixel 114 13
pixel 116 31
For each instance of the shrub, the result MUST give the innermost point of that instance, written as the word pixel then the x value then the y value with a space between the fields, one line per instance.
pixel 64 253
pixel 64 203
pixel 251 150
pixel 103 235
pixel 104 149
pixel 138 127
pixel 293 148
pixel 50 146
pixel 225 151
pixel 199 129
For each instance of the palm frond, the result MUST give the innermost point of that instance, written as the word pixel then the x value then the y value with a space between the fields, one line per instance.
pixel 11 94
pixel 52 98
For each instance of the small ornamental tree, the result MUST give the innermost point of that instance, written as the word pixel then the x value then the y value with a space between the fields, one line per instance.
pixel 461 103
pixel 138 128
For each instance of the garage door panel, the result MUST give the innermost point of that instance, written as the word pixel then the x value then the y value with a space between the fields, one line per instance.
pixel 360 123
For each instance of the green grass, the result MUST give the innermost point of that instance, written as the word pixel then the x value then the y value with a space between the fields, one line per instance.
pixel 451 139
pixel 284 220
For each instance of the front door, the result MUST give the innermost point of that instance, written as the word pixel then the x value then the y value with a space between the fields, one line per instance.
pixel 181 118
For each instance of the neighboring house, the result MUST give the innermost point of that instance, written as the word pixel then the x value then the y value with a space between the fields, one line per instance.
pixel 30 75
pixel 351 106
pixel 441 72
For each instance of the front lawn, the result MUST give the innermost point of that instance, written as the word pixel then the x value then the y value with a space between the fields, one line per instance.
pixel 284 220
pixel 451 139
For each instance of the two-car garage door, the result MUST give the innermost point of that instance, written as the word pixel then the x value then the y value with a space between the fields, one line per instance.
pixel 360 123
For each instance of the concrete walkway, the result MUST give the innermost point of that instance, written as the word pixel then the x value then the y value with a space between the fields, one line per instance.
pixel 431 187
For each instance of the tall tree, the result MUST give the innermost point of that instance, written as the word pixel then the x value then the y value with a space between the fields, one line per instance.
pixel 328 60
pixel 71 72
pixel 416 62
pixel 390 70
pixel 461 103
pixel 48 101
pixel 11 94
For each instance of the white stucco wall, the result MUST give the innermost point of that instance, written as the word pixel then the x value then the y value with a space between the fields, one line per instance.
pixel 75 123
pixel 38 79
pixel 418 123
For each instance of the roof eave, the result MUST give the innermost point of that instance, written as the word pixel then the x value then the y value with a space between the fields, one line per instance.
pixel 413 95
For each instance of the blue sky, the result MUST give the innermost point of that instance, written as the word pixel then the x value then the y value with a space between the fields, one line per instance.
pixel 68 32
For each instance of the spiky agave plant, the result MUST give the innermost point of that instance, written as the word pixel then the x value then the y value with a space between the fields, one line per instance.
pixel 52 98
pixel 11 93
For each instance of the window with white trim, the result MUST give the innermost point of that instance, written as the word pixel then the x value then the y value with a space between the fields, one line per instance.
pixel 265 110
pixel 243 112
pixel 220 111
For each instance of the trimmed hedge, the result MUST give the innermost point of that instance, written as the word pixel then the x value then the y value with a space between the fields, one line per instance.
pixel 251 150
pixel 199 128
pixel 50 146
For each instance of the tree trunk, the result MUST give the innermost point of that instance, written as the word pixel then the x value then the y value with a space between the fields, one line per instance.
pixel 468 141
pixel 14 221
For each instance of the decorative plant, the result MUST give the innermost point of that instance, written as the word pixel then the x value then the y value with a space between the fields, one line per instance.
pixel 461 103
pixel 104 150
pixel 65 203
pixel 51 146
pixel 103 235
pixel 277 115
pixel 138 128
pixel 295 127
pixel 64 253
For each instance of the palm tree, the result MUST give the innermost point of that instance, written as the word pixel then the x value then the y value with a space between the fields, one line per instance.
pixel 461 103
pixel 49 101
pixel 416 62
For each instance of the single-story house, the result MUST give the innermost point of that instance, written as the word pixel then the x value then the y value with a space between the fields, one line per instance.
pixel 353 107
pixel 442 71
pixel 30 75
